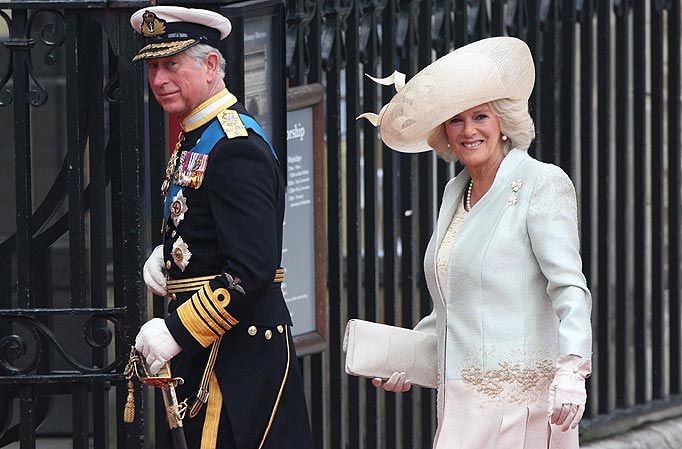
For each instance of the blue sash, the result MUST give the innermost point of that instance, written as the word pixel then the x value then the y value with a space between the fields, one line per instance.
pixel 208 139
pixel 254 126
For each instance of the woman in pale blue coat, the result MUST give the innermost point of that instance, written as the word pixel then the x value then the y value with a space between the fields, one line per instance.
pixel 511 306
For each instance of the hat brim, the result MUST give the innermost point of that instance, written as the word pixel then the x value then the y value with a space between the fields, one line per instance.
pixel 478 73
pixel 163 49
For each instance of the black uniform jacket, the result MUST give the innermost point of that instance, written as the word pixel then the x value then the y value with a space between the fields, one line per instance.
pixel 230 232
pixel 232 227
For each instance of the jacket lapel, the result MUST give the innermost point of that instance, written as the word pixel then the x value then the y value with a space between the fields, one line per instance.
pixel 501 187
pixel 478 225
pixel 451 195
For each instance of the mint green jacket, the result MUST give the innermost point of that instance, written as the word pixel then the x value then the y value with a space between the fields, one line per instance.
pixel 515 296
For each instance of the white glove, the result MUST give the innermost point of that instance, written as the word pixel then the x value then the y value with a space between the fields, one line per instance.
pixel 567 395
pixel 156 344
pixel 154 274
pixel 397 383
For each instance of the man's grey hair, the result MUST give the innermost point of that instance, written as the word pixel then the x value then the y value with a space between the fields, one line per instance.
pixel 200 52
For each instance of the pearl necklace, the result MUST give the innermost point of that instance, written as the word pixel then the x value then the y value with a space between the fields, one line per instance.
pixel 468 199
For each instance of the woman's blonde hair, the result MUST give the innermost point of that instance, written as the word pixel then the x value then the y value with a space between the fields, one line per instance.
pixel 515 122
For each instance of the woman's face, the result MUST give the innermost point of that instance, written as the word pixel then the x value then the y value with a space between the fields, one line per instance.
pixel 475 136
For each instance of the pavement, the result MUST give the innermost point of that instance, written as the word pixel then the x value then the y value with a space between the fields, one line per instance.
pixel 47 443
pixel 660 435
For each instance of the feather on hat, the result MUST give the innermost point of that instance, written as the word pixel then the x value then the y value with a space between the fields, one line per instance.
pixel 477 73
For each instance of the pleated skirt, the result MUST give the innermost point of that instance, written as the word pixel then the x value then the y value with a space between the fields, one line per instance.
pixel 469 419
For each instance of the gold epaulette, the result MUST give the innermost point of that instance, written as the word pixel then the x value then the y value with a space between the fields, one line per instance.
pixel 232 124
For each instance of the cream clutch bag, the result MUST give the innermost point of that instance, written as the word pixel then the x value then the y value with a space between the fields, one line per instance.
pixel 379 350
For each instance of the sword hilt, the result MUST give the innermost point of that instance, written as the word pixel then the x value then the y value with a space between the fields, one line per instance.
pixel 175 412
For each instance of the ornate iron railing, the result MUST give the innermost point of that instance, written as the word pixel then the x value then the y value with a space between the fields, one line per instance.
pixel 77 134
pixel 607 109
pixel 72 293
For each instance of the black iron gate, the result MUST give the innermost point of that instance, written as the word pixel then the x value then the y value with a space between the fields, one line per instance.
pixel 76 133
pixel 72 237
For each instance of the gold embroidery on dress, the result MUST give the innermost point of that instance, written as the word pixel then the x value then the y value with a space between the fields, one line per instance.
pixel 510 379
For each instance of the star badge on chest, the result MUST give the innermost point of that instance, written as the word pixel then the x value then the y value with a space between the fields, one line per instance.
pixel 181 254
pixel 178 208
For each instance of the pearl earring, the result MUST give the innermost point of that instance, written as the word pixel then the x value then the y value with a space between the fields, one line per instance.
pixel 504 137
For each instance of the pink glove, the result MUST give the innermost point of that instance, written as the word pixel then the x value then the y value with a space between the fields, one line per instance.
pixel 397 383
pixel 567 395
pixel 156 344
pixel 154 274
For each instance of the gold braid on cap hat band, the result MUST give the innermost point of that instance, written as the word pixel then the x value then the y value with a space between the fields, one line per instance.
pixel 161 48
pixel 397 79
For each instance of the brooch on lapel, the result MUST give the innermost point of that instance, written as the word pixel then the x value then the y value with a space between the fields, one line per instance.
pixel 515 187
pixel 191 169
pixel 178 208
pixel 181 254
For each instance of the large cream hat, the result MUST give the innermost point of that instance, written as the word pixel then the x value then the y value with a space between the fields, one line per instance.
pixel 477 73
pixel 169 30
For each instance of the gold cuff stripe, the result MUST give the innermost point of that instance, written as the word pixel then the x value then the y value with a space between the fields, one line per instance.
pixel 187 315
pixel 209 434
pixel 224 314
pixel 205 320
pixel 206 330
pixel 187 285
pixel 211 313
pixel 211 324
pixel 205 313
pixel 186 289
pixel 180 282
pixel 212 300
pixel 193 284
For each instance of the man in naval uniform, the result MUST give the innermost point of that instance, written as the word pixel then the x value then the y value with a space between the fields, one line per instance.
pixel 227 331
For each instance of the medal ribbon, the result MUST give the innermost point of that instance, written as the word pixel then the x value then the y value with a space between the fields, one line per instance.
pixel 208 139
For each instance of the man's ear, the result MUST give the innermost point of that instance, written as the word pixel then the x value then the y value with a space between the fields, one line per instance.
pixel 212 64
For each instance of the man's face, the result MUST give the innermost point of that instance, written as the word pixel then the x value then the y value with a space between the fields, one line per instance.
pixel 179 83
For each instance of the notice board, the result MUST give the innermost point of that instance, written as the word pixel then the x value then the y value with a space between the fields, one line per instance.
pixel 304 248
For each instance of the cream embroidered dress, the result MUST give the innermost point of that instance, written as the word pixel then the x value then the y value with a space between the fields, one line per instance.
pixel 509 297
